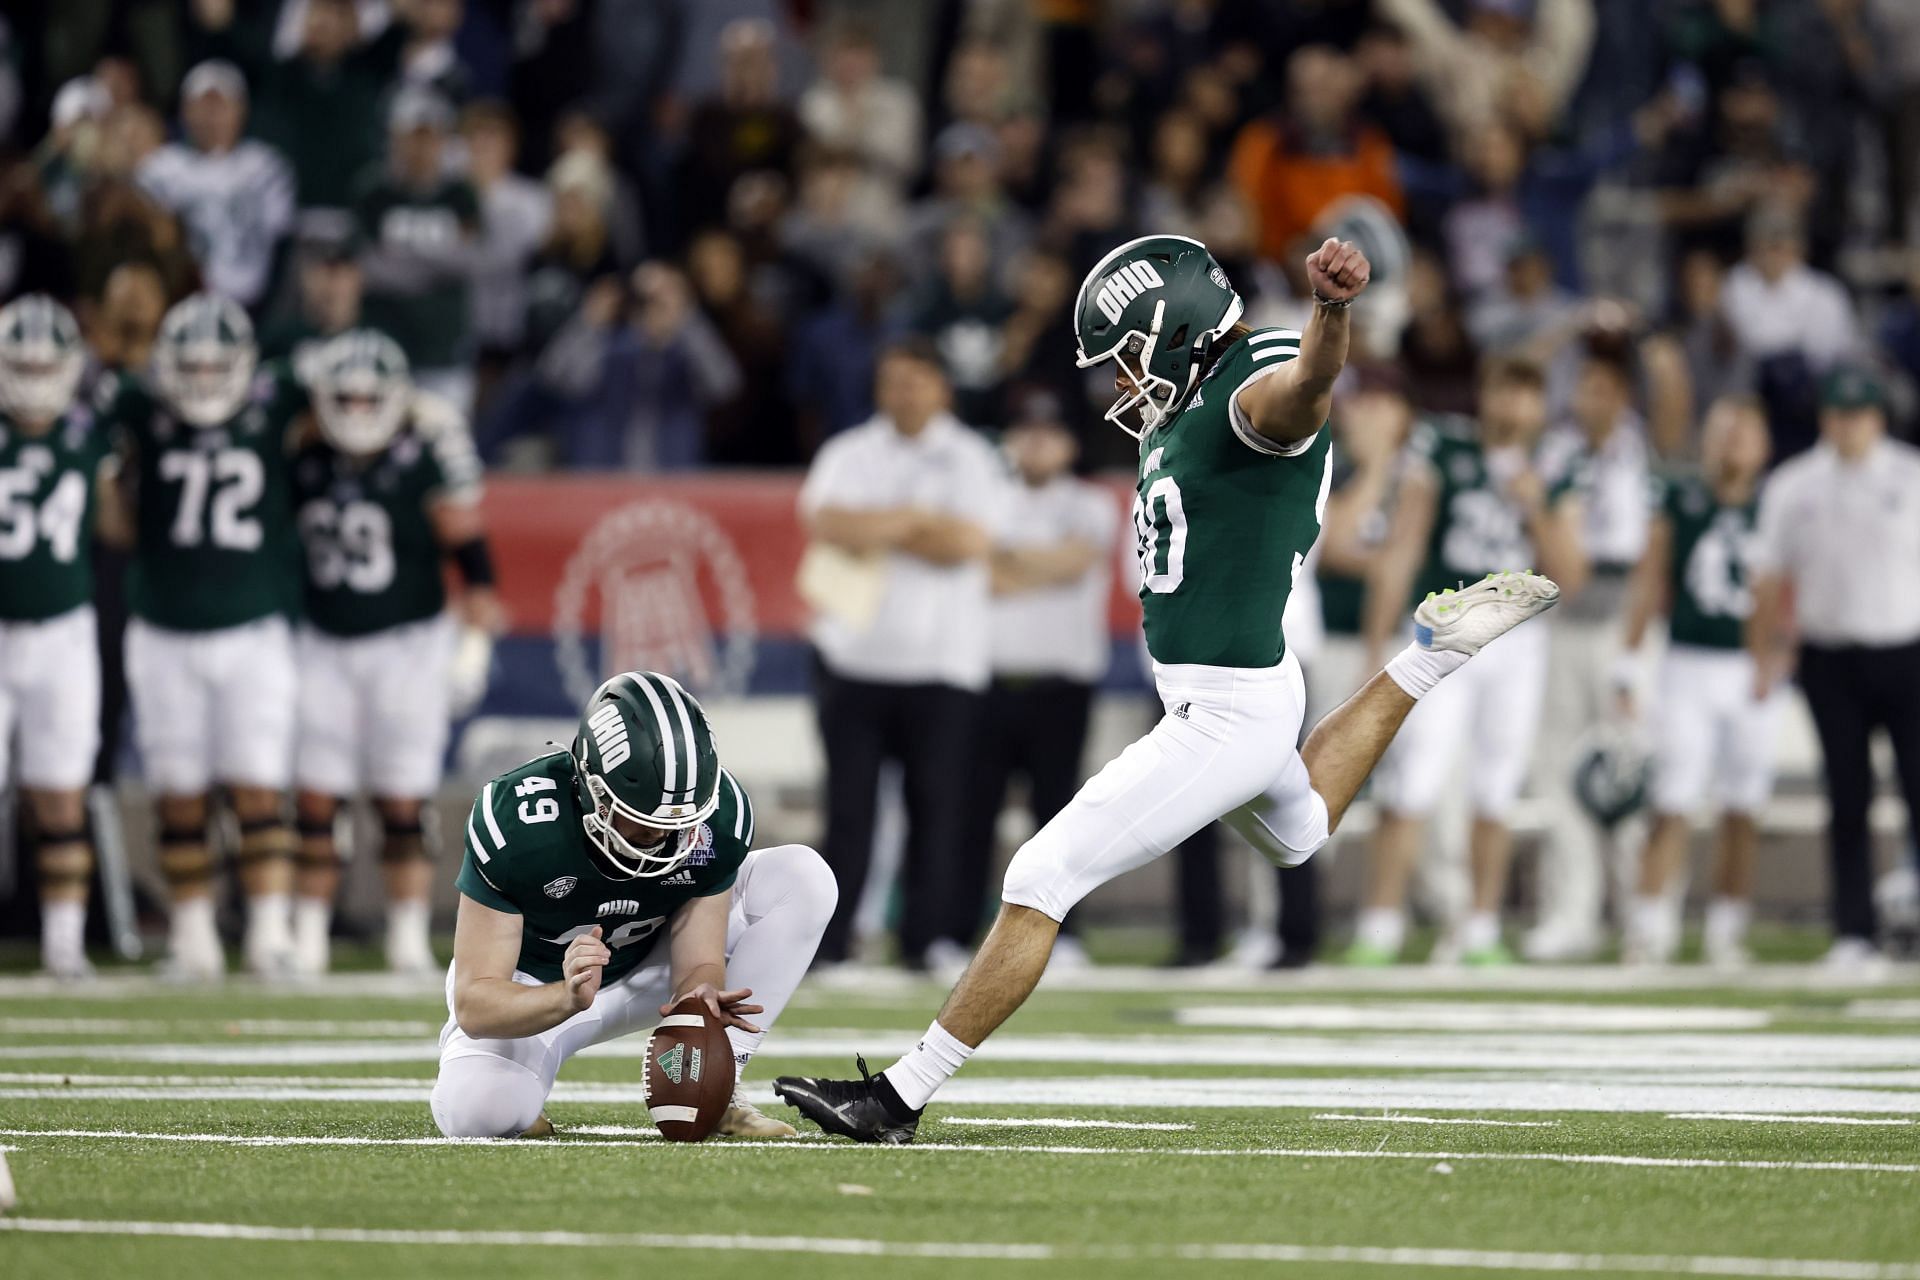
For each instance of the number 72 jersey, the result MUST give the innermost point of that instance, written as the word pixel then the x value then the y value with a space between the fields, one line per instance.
pixel 216 545
pixel 527 855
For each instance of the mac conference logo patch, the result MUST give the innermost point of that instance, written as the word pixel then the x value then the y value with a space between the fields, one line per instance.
pixel 560 887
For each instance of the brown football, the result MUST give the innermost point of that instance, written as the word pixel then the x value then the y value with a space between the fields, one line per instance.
pixel 687 1074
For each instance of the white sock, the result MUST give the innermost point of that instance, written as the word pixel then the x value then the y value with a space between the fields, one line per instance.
pixel 63 932
pixel 1727 921
pixel 312 923
pixel 1381 927
pixel 745 1045
pixel 1481 932
pixel 191 925
pixel 269 924
pixel 407 928
pixel 931 1063
pixel 1417 670
pixel 1653 926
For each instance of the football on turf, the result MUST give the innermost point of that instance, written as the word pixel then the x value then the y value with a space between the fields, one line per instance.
pixel 687 1074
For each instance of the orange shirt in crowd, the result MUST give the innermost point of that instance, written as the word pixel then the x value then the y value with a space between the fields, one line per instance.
pixel 1288 188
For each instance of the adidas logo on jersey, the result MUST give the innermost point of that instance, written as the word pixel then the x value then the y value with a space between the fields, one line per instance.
pixel 610 735
pixel 1124 285
pixel 679 878
pixel 619 907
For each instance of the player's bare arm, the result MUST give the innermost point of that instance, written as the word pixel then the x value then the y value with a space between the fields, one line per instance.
pixel 863 532
pixel 943 539
pixel 1290 406
pixel 697 952
pixel 1390 578
pixel 1769 638
pixel 1017 569
pixel 1647 596
pixel 461 532
pixel 488 1004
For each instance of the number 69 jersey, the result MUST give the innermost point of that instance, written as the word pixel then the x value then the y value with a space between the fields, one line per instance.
pixel 216 546
pixel 373 561
pixel 527 854
pixel 1224 518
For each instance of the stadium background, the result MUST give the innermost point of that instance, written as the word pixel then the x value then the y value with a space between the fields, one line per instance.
pixel 1616 152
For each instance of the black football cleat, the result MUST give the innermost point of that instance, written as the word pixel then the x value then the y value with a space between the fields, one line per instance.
pixel 866 1110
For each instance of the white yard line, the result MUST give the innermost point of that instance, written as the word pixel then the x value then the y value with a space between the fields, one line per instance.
pixel 1062 1122
pixel 1471 1015
pixel 1393 1119
pixel 1891 1010
pixel 1261 1153
pixel 1761 1118
pixel 155 1027
pixel 840 1246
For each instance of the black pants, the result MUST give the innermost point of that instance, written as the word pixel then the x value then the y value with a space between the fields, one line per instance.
pixel 1033 728
pixel 929 729
pixel 1851 691
pixel 1202 907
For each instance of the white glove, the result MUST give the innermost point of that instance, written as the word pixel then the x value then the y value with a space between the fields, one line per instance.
pixel 470 671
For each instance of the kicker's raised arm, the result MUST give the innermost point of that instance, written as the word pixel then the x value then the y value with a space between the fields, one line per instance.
pixel 1292 405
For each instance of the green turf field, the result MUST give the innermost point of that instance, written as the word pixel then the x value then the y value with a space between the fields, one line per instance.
pixel 1128 1123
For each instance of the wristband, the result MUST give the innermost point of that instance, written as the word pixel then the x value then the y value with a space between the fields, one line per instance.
pixel 474 561
pixel 1332 303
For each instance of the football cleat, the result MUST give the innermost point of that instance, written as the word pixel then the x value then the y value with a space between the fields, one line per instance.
pixel 744 1120
pixel 848 1108
pixel 1467 620
pixel 540 1128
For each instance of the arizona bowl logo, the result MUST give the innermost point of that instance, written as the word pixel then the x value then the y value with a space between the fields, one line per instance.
pixel 669 592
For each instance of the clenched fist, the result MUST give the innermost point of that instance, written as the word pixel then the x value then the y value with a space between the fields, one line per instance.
pixel 582 967
pixel 1338 271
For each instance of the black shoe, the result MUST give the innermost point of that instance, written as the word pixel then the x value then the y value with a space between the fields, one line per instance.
pixel 866 1110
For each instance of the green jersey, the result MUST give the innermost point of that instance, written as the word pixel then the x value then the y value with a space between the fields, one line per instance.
pixel 1477 528
pixel 417 289
pixel 373 559
pixel 47 490
pixel 527 854
pixel 216 545
pixel 1223 518
pixel 1343 595
pixel 1709 567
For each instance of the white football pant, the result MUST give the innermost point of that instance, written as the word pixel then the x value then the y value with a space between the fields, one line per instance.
pixel 374 710
pixel 213 706
pixel 50 700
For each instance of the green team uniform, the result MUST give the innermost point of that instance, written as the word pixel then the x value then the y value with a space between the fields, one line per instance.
pixel 527 854
pixel 416 298
pixel 1708 571
pixel 373 560
pixel 47 508
pixel 1477 528
pixel 1223 519
pixel 216 545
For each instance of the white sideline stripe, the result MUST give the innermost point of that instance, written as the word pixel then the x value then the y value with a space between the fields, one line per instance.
pixel 1392 1119
pixel 1895 1010
pixel 493 823
pixel 222 1026
pixel 1472 1015
pixel 1371 1255
pixel 1064 1122
pixel 1758 1118
pixel 1252 1153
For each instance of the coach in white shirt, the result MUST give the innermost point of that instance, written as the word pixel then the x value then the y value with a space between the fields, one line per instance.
pixel 1839 531
pixel 903 510
pixel 1052 568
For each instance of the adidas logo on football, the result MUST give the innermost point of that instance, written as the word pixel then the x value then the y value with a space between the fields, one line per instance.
pixel 670 1062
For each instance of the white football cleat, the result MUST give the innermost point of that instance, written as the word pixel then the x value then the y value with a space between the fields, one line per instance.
pixel 744 1120
pixel 1468 620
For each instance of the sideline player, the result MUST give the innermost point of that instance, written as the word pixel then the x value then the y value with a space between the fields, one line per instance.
pixel 54 464
pixel 1469 501
pixel 1233 480
pixel 602 886
pixel 1710 728
pixel 215 575
pixel 385 491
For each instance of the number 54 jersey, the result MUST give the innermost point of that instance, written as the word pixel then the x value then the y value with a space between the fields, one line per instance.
pixel 527 854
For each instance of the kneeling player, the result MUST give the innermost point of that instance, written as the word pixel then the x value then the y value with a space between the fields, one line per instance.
pixel 1713 724
pixel 388 489
pixel 602 887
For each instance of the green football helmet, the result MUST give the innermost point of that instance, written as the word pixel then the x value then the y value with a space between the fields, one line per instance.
pixel 645 753
pixel 204 359
pixel 1153 305
pixel 41 358
pixel 361 390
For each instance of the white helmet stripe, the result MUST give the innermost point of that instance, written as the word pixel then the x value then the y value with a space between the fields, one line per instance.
pixel 678 695
pixel 1080 298
pixel 663 730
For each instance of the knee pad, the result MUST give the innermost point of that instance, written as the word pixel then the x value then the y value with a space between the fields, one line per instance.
pixel 263 839
pixel 186 861
pixel 481 1097
pixel 64 859
pixel 317 849
pixel 404 841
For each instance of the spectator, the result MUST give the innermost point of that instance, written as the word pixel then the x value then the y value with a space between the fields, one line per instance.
pixel 118 225
pixel 1500 59
pixel 1038 350
pixel 1482 228
pixel 966 183
pixel 579 244
pixel 428 59
pixel 234 195
pixel 122 328
pixel 1717 170
pixel 755 427
pixel 836 226
pixel 1838 527
pixel 1291 167
pixel 902 512
pixel 516 216
pixel 1395 100
pixel 835 349
pixel 1052 575
pixel 963 312
pixel 33 256
pixel 420 227
pixel 1525 306
pixel 1715 364
pixel 1171 202
pixel 583 132
pixel 66 157
pixel 856 110
pixel 331 291
pixel 747 126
